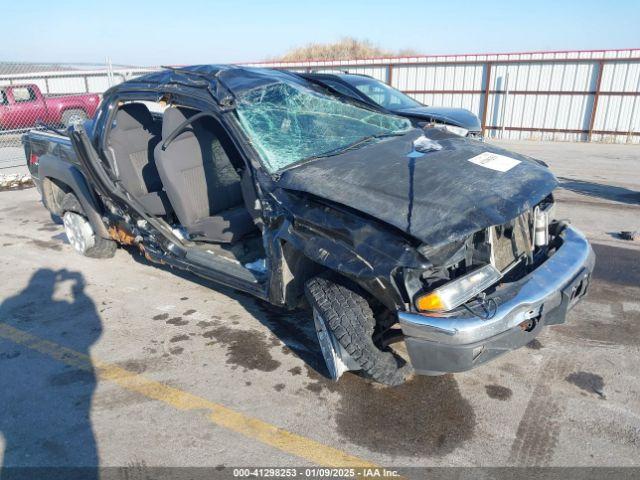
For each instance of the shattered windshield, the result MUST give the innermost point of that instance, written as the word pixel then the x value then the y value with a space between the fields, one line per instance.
pixel 288 122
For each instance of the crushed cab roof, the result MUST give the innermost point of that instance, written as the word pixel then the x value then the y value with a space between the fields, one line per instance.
pixel 222 79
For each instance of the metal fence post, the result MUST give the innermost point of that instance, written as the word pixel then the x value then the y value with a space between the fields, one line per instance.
pixel 485 102
pixel 505 99
pixel 596 96
pixel 390 75
pixel 109 72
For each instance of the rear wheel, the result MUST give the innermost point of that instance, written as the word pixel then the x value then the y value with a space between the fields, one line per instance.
pixel 80 232
pixel 345 325
pixel 71 117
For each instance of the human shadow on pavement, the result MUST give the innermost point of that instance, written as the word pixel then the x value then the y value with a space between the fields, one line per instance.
pixel 45 403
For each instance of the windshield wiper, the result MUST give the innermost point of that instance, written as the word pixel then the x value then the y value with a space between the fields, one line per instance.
pixel 352 146
pixel 337 151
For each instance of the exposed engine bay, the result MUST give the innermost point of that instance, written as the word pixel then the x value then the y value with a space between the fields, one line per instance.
pixel 502 253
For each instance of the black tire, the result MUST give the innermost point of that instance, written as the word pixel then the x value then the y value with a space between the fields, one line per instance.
pixel 73 116
pixel 101 248
pixel 349 316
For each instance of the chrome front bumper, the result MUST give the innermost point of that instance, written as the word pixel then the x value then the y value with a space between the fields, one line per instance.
pixel 464 340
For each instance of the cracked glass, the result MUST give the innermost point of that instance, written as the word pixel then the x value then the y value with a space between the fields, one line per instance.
pixel 288 123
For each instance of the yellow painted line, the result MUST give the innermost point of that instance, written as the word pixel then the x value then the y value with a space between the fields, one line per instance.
pixel 218 414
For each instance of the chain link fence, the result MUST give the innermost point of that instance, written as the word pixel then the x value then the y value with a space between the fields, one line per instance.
pixel 55 94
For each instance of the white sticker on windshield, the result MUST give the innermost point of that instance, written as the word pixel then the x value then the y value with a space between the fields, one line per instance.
pixel 496 162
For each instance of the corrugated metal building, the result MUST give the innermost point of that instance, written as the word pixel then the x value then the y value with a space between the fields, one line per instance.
pixel 567 95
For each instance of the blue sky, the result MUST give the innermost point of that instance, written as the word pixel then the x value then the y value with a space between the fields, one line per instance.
pixel 196 31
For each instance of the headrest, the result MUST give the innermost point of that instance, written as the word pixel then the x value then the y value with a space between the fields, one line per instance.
pixel 172 118
pixel 132 116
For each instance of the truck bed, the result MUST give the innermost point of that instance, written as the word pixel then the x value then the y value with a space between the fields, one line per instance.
pixel 37 143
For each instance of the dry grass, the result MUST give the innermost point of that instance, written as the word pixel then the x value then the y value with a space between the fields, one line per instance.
pixel 347 48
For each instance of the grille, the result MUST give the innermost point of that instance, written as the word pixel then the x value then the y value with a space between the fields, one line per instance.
pixel 511 242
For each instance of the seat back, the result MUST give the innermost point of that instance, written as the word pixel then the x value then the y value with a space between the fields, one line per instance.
pixel 132 141
pixel 197 174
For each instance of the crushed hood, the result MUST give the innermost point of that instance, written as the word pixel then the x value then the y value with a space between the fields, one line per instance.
pixel 459 117
pixel 438 197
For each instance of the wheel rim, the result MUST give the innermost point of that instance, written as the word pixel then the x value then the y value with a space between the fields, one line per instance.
pixel 331 349
pixel 79 232
pixel 74 119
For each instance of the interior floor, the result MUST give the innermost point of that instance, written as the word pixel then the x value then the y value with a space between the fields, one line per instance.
pixel 247 250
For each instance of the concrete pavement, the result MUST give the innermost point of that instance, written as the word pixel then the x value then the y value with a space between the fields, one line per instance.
pixel 569 399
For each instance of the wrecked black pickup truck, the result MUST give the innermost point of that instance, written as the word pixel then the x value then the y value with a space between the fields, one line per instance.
pixel 416 250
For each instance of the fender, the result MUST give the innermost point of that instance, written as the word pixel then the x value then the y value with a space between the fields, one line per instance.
pixel 344 242
pixel 70 106
pixel 69 174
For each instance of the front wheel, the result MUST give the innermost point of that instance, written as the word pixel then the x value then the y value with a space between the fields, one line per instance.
pixel 345 325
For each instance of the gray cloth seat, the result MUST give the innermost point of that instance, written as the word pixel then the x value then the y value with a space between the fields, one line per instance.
pixel 132 141
pixel 201 182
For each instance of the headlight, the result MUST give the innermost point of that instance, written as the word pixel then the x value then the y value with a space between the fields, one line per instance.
pixel 458 291
pixel 462 132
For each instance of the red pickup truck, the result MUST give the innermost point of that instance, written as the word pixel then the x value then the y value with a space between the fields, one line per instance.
pixel 22 106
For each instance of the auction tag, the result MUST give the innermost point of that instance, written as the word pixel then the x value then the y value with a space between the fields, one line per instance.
pixel 496 162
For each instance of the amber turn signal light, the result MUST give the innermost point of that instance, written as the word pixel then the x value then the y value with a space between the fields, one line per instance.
pixel 458 291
